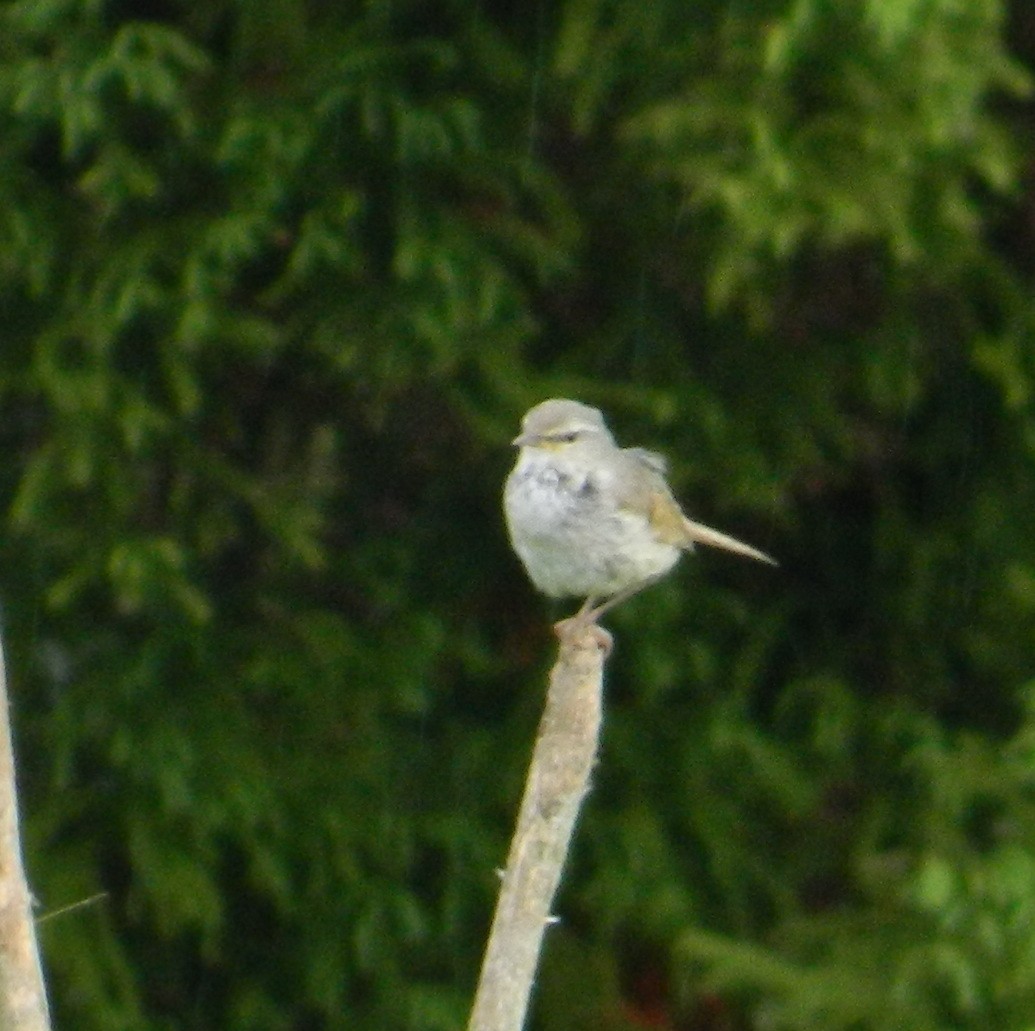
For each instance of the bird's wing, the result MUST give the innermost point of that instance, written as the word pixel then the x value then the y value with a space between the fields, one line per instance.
pixel 642 488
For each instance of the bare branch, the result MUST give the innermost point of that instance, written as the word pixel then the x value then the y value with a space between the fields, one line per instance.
pixel 23 1000
pixel 558 779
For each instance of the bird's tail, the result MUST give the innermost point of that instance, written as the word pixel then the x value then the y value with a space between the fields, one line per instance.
pixel 701 534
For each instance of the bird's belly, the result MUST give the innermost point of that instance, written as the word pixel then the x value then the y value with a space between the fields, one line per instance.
pixel 573 543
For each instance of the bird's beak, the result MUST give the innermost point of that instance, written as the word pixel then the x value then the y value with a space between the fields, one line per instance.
pixel 524 440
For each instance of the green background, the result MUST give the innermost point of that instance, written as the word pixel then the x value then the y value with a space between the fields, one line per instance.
pixel 278 279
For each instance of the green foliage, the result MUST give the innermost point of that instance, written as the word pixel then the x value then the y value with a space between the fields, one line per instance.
pixel 279 279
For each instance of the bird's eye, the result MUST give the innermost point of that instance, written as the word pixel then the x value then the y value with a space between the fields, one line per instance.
pixel 568 438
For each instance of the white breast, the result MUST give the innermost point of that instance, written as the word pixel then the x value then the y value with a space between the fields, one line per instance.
pixel 571 536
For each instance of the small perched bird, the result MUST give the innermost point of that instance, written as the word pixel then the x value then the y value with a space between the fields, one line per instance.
pixel 592 520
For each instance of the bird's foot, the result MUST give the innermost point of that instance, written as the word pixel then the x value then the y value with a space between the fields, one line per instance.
pixel 579 625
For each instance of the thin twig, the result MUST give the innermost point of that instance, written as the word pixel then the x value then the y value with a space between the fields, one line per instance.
pixel 558 779
pixel 23 1000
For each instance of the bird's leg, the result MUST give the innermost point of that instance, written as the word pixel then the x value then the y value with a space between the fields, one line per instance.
pixel 587 607
pixel 579 619
pixel 616 599
pixel 563 626
pixel 584 620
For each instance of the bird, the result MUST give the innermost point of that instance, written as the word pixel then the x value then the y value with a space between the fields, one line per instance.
pixel 589 519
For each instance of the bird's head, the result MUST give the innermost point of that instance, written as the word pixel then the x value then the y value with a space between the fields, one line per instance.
pixel 558 424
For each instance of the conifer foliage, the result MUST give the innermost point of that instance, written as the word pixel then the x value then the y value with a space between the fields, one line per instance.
pixel 278 280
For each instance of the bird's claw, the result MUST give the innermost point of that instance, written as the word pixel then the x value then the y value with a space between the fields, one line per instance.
pixel 579 624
